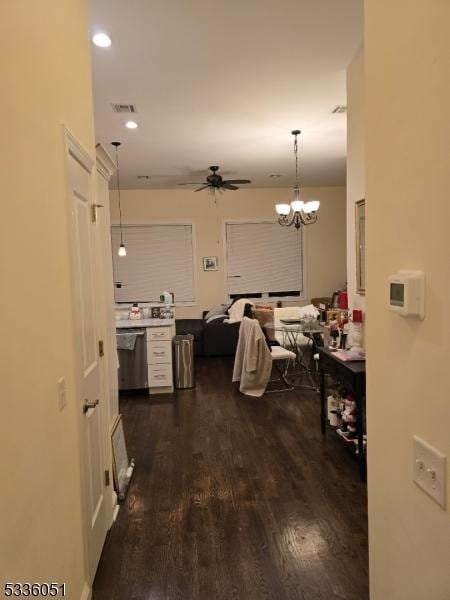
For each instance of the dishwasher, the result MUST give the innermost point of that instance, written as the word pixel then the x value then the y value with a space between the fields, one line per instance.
pixel 133 373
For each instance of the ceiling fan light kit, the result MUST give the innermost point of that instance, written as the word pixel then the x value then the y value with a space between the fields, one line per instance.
pixel 297 213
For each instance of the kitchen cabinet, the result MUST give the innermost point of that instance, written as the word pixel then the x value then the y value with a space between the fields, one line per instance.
pixel 158 340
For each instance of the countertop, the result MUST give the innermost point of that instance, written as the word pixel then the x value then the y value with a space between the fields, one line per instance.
pixel 130 323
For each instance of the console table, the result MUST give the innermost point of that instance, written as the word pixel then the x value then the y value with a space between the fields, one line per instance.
pixel 352 376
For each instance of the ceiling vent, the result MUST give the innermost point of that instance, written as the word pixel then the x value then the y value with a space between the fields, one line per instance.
pixel 123 108
pixel 339 109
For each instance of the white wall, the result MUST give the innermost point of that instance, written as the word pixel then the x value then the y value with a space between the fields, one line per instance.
pixel 407 49
pixel 356 185
pixel 45 69
pixel 325 241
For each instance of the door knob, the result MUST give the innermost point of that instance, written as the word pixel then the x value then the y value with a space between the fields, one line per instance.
pixel 89 404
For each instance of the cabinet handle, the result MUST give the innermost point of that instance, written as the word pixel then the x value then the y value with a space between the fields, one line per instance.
pixel 159 353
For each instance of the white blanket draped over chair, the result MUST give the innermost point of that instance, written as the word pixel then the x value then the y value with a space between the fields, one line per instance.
pixel 253 360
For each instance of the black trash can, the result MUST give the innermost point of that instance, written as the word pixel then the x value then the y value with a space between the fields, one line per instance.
pixel 183 350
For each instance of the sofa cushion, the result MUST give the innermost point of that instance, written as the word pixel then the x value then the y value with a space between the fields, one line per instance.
pixel 216 318
pixel 194 326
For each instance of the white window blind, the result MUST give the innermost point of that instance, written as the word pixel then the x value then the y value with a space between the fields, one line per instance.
pixel 159 258
pixel 264 258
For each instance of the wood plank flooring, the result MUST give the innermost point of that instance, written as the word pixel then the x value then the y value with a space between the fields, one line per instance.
pixel 235 498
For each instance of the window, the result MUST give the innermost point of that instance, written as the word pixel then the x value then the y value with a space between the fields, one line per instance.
pixel 159 258
pixel 264 260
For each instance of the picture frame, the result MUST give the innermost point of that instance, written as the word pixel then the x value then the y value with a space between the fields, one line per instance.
pixel 210 263
pixel 360 238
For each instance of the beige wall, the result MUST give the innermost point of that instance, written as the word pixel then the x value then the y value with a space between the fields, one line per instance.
pixel 356 187
pixel 45 69
pixel 408 184
pixel 325 241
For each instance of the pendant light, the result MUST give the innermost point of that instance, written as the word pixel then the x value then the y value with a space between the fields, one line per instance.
pixel 122 250
pixel 297 213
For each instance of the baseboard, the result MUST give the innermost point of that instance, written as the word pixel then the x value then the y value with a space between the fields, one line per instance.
pixel 86 593
pixel 114 508
pixel 116 511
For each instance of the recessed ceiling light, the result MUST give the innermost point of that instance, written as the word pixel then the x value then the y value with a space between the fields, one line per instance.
pixel 131 124
pixel 101 40
pixel 274 175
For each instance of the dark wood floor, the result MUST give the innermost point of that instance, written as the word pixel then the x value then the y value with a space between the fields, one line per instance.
pixel 235 498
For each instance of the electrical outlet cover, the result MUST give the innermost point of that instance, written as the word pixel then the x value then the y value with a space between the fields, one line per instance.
pixel 430 470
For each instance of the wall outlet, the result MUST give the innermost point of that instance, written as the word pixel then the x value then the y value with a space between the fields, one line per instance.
pixel 430 470
pixel 61 393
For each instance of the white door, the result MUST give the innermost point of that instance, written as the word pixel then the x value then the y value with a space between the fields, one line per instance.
pixel 80 194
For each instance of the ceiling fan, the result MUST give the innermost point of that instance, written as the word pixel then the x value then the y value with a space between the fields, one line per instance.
pixel 215 182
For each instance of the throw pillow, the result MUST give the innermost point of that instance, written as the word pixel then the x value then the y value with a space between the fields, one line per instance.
pixel 264 315
pixel 236 310
pixel 220 309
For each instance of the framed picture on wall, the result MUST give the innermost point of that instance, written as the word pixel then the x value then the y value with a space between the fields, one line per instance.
pixel 210 263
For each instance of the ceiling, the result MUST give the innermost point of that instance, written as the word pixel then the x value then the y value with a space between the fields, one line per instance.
pixel 224 83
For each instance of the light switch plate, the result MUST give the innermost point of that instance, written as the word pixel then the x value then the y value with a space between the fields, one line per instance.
pixel 61 393
pixel 430 470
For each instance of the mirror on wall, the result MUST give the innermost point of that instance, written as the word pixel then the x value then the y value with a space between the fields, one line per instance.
pixel 360 209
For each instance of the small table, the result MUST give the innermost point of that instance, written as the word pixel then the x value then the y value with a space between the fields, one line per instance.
pixel 352 375
pixel 291 329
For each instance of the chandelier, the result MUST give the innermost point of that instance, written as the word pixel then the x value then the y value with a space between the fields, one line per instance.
pixel 297 213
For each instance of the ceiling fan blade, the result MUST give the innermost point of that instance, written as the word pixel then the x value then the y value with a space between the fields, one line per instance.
pixel 237 181
pixel 228 186
pixel 192 183
pixel 201 188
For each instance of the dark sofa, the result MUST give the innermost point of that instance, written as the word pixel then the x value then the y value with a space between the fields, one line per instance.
pixel 210 339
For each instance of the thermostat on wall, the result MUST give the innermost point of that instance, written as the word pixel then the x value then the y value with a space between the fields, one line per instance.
pixel 407 293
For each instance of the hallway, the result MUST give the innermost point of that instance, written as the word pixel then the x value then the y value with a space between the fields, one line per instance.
pixel 235 498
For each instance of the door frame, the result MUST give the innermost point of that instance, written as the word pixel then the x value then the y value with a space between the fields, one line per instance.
pixel 74 149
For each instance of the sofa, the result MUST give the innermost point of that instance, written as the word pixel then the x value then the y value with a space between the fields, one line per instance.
pixel 210 339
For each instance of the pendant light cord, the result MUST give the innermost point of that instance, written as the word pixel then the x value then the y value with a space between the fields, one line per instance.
pixel 118 192
pixel 296 158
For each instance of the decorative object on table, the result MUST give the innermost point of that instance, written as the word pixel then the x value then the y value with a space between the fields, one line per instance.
pixel 122 251
pixel 356 333
pixel 135 312
pixel 334 410
pixel 156 312
pixel 334 333
pixel 297 213
pixel 360 229
pixel 167 297
pixel 122 467
pixel 348 416
pixel 335 300
pixel 343 299
pixel 215 182
pixel 344 335
pixel 145 312
pixel 166 313
pixel 210 263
